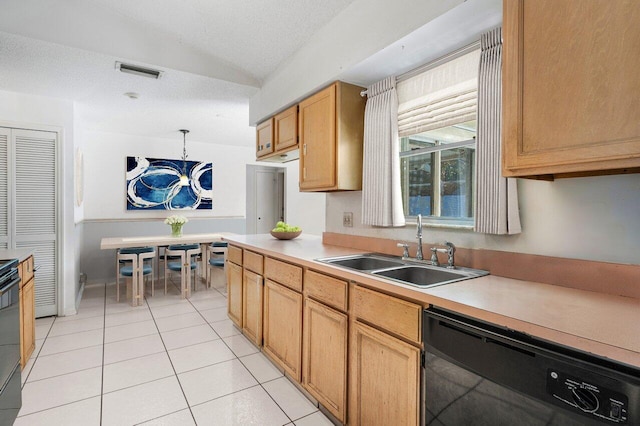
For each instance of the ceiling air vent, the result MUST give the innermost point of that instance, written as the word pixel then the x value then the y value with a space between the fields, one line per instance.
pixel 137 70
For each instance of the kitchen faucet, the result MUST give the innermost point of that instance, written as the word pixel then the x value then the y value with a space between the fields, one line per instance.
pixel 450 251
pixel 419 238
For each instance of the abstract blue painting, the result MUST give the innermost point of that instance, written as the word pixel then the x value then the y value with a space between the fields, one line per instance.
pixel 154 184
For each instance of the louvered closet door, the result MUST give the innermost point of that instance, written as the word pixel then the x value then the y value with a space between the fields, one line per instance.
pixel 5 135
pixel 35 210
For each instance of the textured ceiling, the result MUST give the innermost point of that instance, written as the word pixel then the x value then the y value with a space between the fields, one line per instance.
pixel 255 36
pixel 214 110
pixel 214 54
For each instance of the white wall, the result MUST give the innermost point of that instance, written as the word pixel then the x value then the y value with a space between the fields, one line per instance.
pixel 29 111
pixel 304 209
pixel 105 166
pixel 105 188
pixel 594 218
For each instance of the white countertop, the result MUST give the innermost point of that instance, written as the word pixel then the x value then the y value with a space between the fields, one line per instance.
pixel 20 254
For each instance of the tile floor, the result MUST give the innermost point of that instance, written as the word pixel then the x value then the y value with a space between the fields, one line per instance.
pixel 168 362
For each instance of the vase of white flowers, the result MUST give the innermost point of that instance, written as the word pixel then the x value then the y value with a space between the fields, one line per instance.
pixel 176 222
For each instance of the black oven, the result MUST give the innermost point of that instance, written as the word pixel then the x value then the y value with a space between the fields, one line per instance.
pixel 10 383
pixel 481 374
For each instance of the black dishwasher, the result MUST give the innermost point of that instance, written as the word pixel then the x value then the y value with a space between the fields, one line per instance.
pixel 481 374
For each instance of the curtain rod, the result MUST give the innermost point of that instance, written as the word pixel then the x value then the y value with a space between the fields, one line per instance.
pixel 432 64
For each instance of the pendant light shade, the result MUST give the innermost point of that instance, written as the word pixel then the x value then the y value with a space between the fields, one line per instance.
pixel 184 179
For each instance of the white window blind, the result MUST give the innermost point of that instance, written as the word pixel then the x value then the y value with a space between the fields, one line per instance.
pixel 440 96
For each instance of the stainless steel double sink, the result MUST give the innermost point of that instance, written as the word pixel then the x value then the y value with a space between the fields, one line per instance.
pixel 412 272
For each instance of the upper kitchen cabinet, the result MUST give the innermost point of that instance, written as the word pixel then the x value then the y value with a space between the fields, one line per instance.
pixel 264 138
pixel 282 130
pixel 331 127
pixel 571 92
pixel 286 130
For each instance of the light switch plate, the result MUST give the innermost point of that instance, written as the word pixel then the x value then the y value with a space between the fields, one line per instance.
pixel 347 219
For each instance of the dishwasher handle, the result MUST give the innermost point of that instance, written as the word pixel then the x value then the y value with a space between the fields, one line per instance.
pixel 488 334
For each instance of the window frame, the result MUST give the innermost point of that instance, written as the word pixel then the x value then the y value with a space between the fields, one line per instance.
pixel 439 221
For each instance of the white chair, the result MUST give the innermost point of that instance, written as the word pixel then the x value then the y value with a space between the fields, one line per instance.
pixel 135 263
pixel 183 258
pixel 217 257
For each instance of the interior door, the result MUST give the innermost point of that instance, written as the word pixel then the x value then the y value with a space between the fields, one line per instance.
pixel 5 135
pixel 29 203
pixel 266 201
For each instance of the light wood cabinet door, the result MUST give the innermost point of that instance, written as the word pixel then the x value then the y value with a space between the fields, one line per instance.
pixel 283 327
pixel 384 379
pixel 252 291
pixel 286 129
pixel 264 138
pixel 328 290
pixel 234 293
pixel 389 313
pixel 331 131
pixel 283 273
pixel 26 270
pixel 317 119
pixel 234 254
pixel 571 92
pixel 253 261
pixel 324 362
pixel 27 321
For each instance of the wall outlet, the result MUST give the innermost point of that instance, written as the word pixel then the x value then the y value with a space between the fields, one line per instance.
pixel 347 219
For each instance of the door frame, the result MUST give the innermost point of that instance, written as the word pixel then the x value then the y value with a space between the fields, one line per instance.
pixel 60 196
pixel 252 196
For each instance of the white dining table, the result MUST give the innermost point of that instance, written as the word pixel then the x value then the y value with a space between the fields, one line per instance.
pixel 111 243
pixel 160 240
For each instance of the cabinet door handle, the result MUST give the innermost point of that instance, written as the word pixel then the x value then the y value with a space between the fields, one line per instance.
pixel 304 149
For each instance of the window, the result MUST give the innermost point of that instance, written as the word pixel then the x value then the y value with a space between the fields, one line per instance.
pixel 437 126
pixel 437 173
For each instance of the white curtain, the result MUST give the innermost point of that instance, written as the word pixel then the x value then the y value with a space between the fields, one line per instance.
pixel 381 191
pixel 496 210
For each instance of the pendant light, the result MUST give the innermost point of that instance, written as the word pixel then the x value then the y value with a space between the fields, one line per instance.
pixel 184 179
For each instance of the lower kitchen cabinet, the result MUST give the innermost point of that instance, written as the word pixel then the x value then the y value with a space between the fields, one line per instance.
pixel 354 349
pixel 384 379
pixel 234 293
pixel 283 327
pixel 27 320
pixel 325 356
pixel 27 310
pixel 252 292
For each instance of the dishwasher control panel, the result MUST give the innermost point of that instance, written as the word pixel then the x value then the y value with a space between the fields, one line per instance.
pixel 587 397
